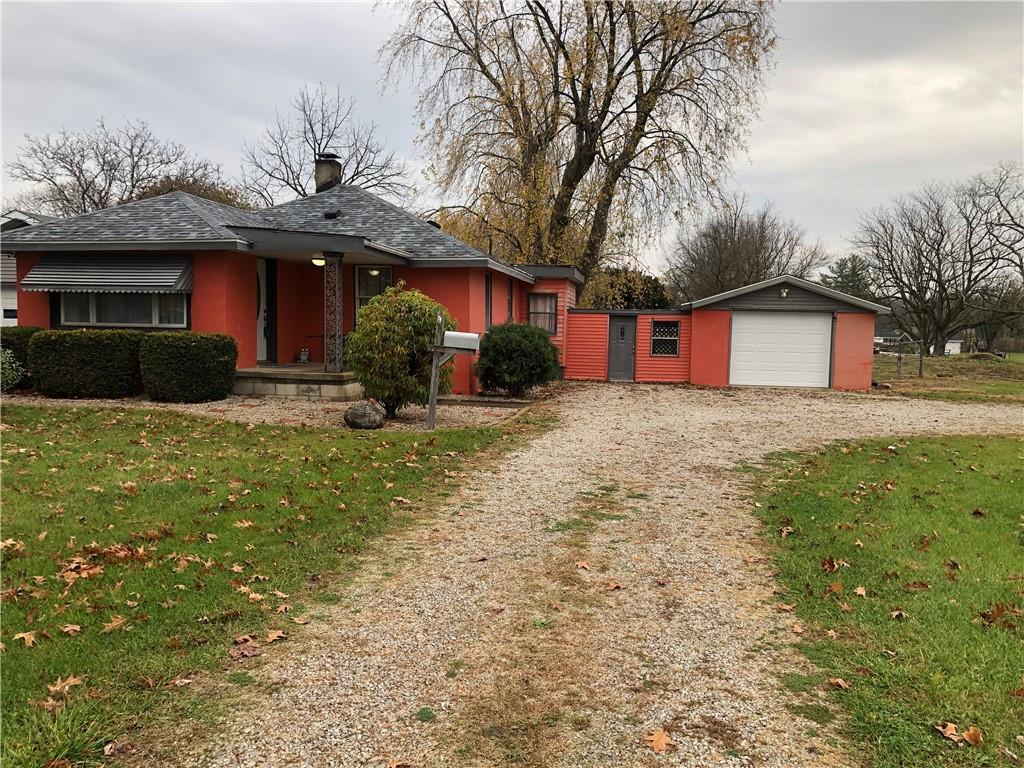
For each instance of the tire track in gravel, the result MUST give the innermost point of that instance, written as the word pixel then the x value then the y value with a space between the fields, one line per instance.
pixel 457 615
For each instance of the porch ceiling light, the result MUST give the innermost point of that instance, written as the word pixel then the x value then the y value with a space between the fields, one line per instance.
pixel 373 272
pixel 319 261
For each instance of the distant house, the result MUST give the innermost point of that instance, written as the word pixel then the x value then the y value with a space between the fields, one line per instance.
pixel 10 220
pixel 953 346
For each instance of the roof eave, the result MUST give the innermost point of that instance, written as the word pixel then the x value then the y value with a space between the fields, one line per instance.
pixel 481 261
pixel 64 246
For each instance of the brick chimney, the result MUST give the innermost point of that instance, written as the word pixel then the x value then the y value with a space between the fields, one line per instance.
pixel 326 171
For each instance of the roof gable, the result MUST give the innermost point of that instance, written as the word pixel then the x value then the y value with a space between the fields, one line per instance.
pixel 365 214
pixel 804 285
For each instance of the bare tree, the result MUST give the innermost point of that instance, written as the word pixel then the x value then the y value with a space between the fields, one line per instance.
pixel 565 125
pixel 279 164
pixel 78 172
pixel 941 257
pixel 735 247
pixel 1003 187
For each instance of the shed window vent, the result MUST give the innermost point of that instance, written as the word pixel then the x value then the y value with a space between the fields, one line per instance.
pixel 664 338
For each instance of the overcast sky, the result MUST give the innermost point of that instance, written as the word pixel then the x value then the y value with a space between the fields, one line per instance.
pixel 867 100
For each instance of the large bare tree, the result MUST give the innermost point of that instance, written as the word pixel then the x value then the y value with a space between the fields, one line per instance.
pixel 278 166
pixel 944 256
pixel 734 247
pixel 75 172
pixel 563 126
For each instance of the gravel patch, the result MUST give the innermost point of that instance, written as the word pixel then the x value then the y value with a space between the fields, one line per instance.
pixel 318 414
pixel 486 615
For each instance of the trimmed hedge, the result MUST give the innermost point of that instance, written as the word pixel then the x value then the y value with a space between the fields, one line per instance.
pixel 86 363
pixel 11 371
pixel 515 357
pixel 16 339
pixel 188 367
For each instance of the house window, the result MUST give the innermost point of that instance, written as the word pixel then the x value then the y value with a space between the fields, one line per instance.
pixel 156 310
pixel 10 313
pixel 488 299
pixel 664 338
pixel 542 311
pixel 370 282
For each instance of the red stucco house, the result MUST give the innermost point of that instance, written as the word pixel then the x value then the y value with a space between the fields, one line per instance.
pixel 287 282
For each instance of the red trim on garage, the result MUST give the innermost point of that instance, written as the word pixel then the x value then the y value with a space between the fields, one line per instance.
pixel 709 357
pixel 853 350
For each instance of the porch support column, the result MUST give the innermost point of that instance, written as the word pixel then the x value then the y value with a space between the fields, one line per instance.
pixel 333 327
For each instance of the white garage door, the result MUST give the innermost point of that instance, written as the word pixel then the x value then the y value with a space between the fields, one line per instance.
pixel 781 349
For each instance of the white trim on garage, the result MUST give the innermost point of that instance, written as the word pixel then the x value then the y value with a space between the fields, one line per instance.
pixel 780 349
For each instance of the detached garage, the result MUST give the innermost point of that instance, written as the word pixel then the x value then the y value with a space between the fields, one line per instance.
pixel 783 332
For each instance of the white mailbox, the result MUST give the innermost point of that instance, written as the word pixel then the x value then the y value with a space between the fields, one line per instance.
pixel 456 341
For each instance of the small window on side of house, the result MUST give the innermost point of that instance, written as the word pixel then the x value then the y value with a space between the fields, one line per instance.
pixel 664 338
pixel 370 282
pixel 542 311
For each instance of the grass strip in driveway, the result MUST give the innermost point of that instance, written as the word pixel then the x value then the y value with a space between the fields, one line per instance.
pixel 138 544
pixel 904 563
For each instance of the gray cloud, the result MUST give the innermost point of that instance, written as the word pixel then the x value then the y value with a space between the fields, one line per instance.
pixel 867 100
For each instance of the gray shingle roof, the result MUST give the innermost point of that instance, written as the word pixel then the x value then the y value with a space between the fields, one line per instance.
pixel 363 214
pixel 175 216
pixel 182 217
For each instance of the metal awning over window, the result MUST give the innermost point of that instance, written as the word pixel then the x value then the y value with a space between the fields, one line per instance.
pixel 82 273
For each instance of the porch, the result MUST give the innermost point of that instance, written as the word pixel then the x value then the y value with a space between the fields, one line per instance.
pixel 298 381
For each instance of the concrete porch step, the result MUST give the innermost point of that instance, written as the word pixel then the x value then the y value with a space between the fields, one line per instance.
pixel 299 382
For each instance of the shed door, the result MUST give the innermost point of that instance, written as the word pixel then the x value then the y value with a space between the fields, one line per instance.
pixel 781 349
pixel 621 347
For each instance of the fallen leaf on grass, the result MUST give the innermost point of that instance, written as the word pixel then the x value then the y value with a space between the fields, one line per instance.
pixel 245 650
pixel 916 585
pixel 899 615
pixel 276 634
pixel 659 741
pixel 300 620
pixel 829 565
pixel 283 608
pixel 950 731
pixel 115 623
pixel 838 682
pixel 61 685
pixel 583 565
pixel 613 586
pixel 29 638
pixel 786 607
pixel 973 736
pixel 130 488
pixel 798 628
pixel 861 592
pixel 398 764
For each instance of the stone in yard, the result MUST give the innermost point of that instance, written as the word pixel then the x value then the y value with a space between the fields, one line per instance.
pixel 364 416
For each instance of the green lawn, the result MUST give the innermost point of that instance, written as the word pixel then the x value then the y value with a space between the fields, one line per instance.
pixel 932 530
pixel 955 377
pixel 138 544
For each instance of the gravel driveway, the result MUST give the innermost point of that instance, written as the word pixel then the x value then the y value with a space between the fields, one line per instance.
pixel 487 616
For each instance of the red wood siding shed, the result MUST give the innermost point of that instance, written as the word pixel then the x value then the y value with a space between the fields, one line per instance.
pixel 587 356
pixel 657 368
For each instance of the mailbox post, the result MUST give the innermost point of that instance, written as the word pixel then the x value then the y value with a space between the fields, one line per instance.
pixel 447 344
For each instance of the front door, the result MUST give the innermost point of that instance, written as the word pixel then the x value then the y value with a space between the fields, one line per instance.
pixel 261 310
pixel 621 347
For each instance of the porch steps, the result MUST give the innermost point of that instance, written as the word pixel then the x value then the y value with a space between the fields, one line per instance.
pixel 297 382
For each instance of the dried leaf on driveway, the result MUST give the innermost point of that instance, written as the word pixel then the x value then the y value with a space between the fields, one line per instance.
pixel 659 741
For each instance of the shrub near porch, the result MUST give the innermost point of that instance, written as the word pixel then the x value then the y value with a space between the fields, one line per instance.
pixel 912 554
pixel 137 544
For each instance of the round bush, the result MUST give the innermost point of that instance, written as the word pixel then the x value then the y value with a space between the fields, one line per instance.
pixel 85 363
pixel 11 371
pixel 188 367
pixel 16 339
pixel 389 350
pixel 515 357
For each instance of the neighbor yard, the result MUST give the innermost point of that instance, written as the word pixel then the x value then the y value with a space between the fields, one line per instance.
pixel 955 377
pixel 903 565
pixel 137 545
